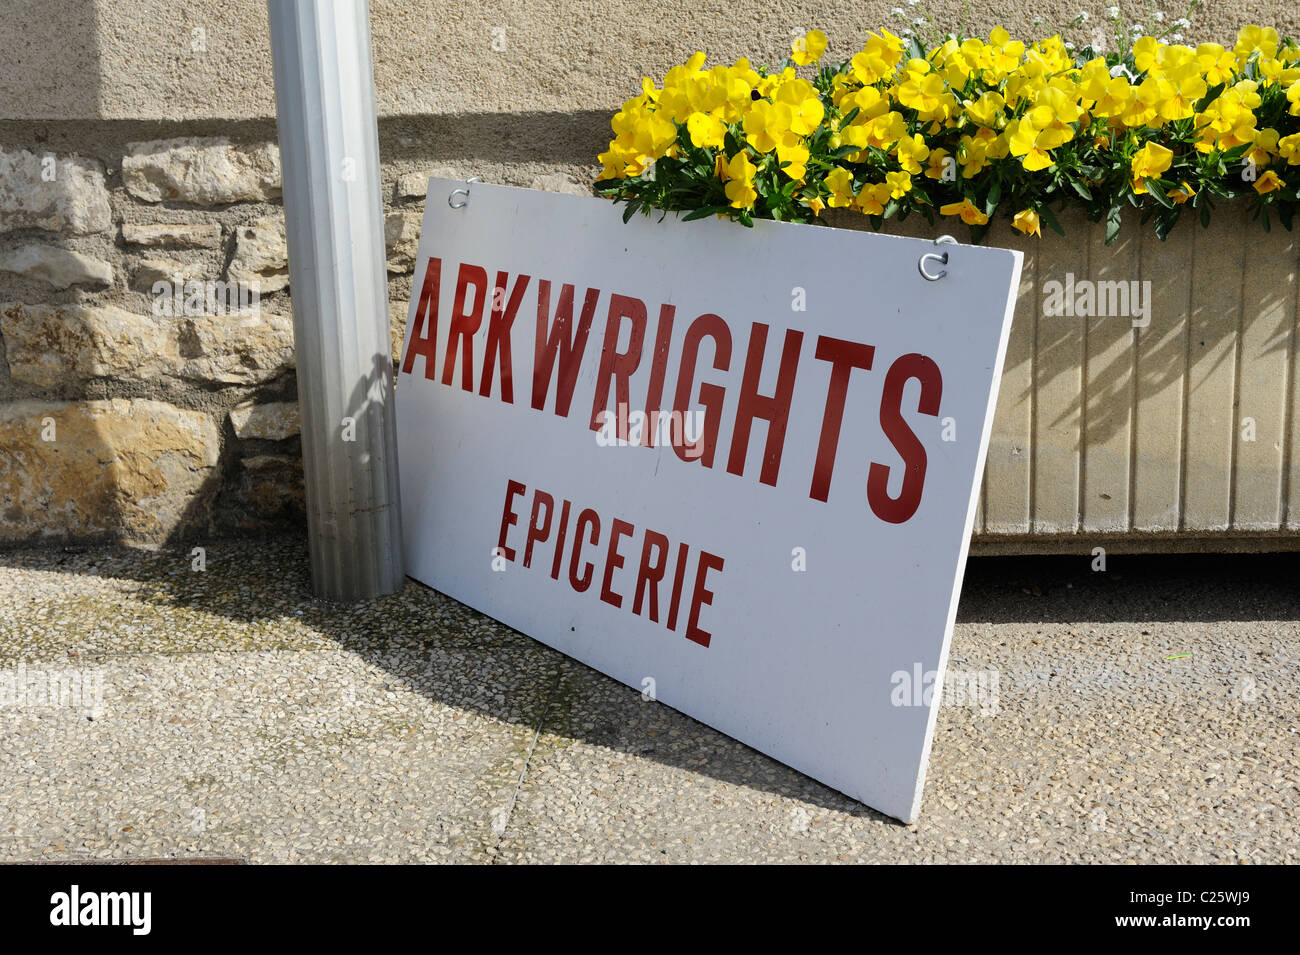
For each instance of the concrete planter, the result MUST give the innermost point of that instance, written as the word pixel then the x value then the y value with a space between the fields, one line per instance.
pixel 1179 435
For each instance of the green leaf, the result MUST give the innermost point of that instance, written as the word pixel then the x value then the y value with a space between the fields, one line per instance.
pixel 849 116
pixel 991 201
pixel 1210 96
pixel 704 213
pixel 1165 222
pixel 1081 189
pixel 1112 222
pixel 630 211
pixel 1049 217
pixel 1156 189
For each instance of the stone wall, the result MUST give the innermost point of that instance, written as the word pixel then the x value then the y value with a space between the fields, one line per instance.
pixel 137 147
pixel 140 398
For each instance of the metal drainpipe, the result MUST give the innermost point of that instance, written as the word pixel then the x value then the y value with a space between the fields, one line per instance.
pixel 329 148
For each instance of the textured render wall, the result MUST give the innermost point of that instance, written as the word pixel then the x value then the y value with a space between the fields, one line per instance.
pixel 135 59
pixel 137 145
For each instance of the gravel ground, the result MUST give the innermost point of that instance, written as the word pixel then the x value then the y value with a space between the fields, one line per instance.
pixel 1144 714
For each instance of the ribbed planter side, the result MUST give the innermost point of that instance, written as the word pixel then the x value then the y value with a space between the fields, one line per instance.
pixel 1142 436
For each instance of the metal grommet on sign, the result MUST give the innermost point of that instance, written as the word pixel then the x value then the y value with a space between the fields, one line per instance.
pixel 451 199
pixel 940 257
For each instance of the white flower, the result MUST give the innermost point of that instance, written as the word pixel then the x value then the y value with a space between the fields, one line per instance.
pixel 1138 30
pixel 1182 23
pixel 1068 45
pixel 1158 17
pixel 1083 16
pixel 912 3
pixel 919 22
pixel 1176 37
pixel 1112 12
pixel 1038 21
pixel 1119 69
pixel 897 12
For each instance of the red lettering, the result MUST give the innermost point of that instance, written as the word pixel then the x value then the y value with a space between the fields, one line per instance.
pixel 617 365
pixel 613 561
pixel 559 342
pixel 464 323
pixel 775 410
pixel 498 336
pixel 651 573
pixel 426 318
pixel 701 597
pixel 559 541
pixel 679 577
pixel 658 370
pixel 899 509
pixel 589 517
pixel 538 531
pixel 844 356
pixel 509 518
pixel 651 569
pixel 710 395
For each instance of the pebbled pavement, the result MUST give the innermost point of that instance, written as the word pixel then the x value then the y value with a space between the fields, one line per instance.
pixel 1147 713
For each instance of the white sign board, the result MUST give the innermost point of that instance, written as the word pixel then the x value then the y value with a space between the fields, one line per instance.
pixel 736 468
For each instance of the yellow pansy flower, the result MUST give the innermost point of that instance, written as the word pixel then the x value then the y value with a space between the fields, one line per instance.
pixel 1148 163
pixel 1288 147
pixel 936 163
pixel 967 210
pixel 1027 221
pixel 1269 182
pixel 900 183
pixel 793 156
pixel 911 151
pixel 740 181
pixel 706 130
pixel 766 124
pixel 1023 140
pixel 1145 50
pixel 806 109
pixel 840 182
pixel 988 110
pixel 877 59
pixel 809 48
pixel 1251 38
pixel 1264 148
pixel 873 198
pixel 975 152
pixel 1000 56
pixel 920 89
pixel 1215 63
